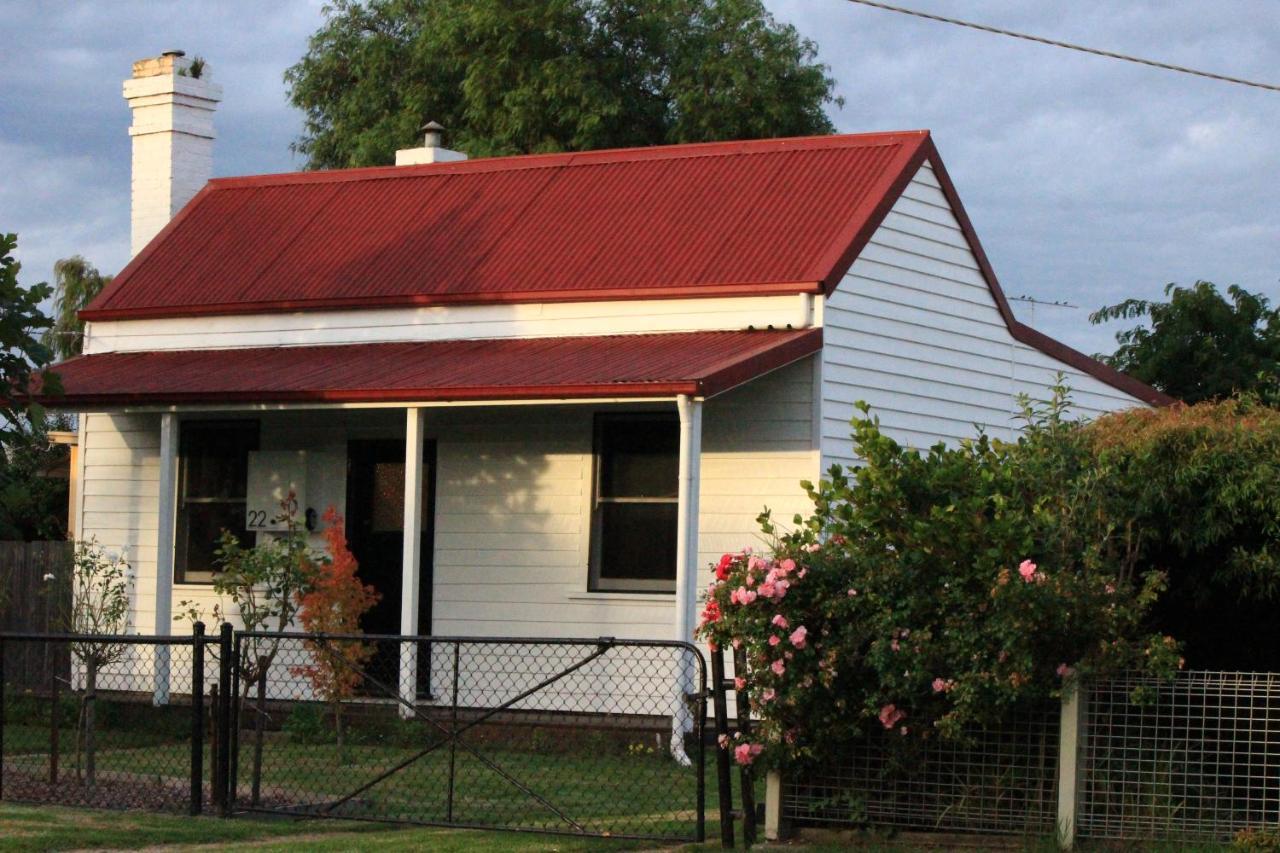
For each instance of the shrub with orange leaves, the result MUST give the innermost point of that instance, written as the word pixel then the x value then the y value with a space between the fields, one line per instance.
pixel 333 604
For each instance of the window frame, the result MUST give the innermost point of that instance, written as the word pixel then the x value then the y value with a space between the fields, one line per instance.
pixel 595 581
pixel 202 577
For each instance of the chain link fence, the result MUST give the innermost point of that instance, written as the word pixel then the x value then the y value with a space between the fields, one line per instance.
pixel 109 722
pixel 590 737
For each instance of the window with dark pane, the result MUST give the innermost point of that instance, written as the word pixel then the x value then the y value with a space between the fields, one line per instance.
pixel 213 476
pixel 633 530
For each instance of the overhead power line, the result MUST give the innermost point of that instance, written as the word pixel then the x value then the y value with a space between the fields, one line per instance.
pixel 1240 81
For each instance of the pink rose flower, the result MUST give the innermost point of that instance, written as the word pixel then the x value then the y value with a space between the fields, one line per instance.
pixel 813 547
pixel 739 683
pixel 893 644
pixel 1064 670
pixel 780 621
pixel 774 640
pixel 779 666
pixel 723 740
pixel 853 593
pixel 768 589
pixel 745 753
pixel 942 685
pixel 798 637
pixel 890 716
pixel 768 694
pixel 787 565
pixel 1027 570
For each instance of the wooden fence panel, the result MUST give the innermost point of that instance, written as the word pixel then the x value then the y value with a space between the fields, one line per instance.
pixel 31 603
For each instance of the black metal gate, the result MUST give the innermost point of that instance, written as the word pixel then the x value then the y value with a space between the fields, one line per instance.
pixel 597 737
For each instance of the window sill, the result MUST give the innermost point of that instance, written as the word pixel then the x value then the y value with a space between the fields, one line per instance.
pixel 663 598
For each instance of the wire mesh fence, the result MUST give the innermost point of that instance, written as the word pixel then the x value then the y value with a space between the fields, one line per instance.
pixel 593 737
pixel 109 722
pixel 1198 757
pixel 1003 780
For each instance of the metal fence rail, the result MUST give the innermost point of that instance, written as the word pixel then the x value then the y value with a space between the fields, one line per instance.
pixel 588 737
pixel 1004 781
pixel 111 722
pixel 1198 758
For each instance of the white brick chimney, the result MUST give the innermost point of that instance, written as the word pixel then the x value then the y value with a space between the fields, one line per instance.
pixel 432 151
pixel 172 134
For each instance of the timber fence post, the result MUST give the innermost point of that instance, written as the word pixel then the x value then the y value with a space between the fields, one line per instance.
pixel 773 828
pixel 1071 738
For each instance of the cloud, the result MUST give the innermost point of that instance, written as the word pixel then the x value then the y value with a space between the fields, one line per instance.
pixel 1088 180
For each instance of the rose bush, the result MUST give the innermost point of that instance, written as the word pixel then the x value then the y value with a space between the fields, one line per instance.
pixel 932 591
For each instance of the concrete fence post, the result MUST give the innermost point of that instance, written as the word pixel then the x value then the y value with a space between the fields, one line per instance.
pixel 1071 739
pixel 773 826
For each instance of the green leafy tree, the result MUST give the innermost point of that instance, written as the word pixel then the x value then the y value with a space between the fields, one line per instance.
pixel 521 76
pixel 101 584
pixel 932 591
pixel 33 490
pixel 76 283
pixel 263 585
pixel 1199 345
pixel 22 355
pixel 1200 486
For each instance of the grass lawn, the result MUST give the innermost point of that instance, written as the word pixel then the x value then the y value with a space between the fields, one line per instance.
pixel 642 792
pixel 27 828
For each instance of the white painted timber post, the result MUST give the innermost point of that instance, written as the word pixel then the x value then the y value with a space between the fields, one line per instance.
pixel 687 518
pixel 773 830
pixel 690 411
pixel 411 561
pixel 1071 735
pixel 167 518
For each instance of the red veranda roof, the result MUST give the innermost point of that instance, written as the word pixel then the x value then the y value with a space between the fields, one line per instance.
pixel 695 363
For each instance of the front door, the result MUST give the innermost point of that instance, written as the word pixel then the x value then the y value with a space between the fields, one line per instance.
pixel 375 535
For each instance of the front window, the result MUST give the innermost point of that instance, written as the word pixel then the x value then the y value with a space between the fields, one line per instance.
pixel 634 514
pixel 213 475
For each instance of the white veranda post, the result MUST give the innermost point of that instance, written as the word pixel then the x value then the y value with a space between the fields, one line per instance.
pixel 168 499
pixel 412 559
pixel 690 411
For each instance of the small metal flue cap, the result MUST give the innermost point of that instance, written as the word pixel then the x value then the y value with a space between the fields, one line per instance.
pixel 174 53
pixel 433 134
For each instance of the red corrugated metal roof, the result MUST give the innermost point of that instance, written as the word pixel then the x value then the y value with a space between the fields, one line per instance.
pixel 683 220
pixel 697 363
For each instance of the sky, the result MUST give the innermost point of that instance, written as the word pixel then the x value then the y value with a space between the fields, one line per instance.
pixel 1088 180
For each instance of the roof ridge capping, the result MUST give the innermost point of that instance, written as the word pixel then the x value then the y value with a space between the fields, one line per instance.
pixel 519 162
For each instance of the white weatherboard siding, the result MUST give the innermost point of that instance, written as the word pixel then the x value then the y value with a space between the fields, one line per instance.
pixel 449 322
pixel 513 510
pixel 120 497
pixel 758 443
pixel 513 499
pixel 914 330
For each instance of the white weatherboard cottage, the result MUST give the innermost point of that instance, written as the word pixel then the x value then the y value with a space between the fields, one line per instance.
pixel 545 392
